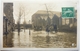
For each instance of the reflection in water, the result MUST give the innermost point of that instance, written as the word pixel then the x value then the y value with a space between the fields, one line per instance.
pixel 39 39
pixel 19 39
pixel 48 40
pixel 22 39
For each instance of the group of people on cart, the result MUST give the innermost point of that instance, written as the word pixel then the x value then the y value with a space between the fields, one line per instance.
pixel 52 27
pixel 49 28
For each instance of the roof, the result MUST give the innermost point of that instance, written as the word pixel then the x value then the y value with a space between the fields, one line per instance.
pixel 44 12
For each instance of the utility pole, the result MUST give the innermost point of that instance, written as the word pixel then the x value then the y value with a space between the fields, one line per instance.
pixel 18 27
pixel 19 21
pixel 29 27
pixel 48 17
pixel 24 21
pixel 47 10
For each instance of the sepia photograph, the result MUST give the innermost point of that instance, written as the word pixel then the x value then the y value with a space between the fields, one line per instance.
pixel 38 50
pixel 35 24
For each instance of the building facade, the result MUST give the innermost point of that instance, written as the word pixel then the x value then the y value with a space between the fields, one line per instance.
pixel 8 20
pixel 41 18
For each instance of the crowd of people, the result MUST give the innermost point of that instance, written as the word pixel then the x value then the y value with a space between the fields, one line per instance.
pixel 48 28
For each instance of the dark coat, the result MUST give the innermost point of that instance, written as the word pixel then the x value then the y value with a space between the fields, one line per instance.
pixel 55 27
pixel 47 29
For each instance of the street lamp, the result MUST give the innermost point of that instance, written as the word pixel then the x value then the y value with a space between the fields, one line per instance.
pixel 43 22
pixel 18 28
pixel 29 27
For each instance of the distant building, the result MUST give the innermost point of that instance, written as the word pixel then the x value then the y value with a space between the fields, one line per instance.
pixel 60 21
pixel 70 21
pixel 55 20
pixel 40 18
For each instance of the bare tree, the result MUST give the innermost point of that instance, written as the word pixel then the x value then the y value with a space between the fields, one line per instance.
pixel 26 12
pixel 21 13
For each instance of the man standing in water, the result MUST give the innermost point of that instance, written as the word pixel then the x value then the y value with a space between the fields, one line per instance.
pixel 47 29
pixel 55 28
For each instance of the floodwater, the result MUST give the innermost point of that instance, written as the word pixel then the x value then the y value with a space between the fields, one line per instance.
pixel 41 39
pixel 23 39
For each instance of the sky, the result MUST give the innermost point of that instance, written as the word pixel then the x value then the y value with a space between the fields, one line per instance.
pixel 32 6
pixel 39 50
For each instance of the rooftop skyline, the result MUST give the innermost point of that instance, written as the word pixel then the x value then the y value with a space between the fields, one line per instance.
pixel 33 6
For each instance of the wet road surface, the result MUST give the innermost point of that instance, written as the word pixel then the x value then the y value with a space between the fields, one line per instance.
pixel 23 39
pixel 40 39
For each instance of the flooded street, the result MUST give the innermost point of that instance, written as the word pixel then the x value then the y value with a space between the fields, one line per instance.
pixel 39 25
pixel 23 39
pixel 40 39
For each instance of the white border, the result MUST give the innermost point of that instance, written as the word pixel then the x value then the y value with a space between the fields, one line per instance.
pixel 1 31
